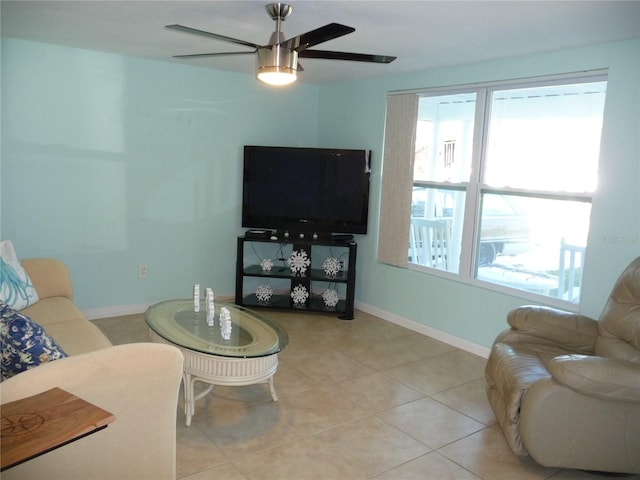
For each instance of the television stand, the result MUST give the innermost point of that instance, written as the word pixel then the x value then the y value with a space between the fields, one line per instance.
pixel 341 237
pixel 307 274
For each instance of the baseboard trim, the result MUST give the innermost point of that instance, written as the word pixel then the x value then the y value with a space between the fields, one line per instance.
pixel 115 311
pixel 426 330
pixel 122 310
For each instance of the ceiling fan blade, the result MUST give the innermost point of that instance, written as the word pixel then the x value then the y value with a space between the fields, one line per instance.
pixel 319 35
pixel 224 38
pixel 354 57
pixel 218 54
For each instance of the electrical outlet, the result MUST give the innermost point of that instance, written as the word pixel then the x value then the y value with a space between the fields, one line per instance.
pixel 142 270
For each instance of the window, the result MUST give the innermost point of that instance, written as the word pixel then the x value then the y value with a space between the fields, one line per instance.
pixel 502 182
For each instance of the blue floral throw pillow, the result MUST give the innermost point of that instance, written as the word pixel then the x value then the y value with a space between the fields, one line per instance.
pixel 24 343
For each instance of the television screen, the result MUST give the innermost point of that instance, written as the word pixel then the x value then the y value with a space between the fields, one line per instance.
pixel 310 190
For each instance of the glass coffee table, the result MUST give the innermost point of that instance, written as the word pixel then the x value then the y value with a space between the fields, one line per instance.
pixel 247 356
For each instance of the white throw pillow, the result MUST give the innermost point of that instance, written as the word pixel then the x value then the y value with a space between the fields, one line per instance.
pixel 16 288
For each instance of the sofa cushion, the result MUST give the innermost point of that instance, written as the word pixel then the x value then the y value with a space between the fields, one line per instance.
pixel 16 288
pixel 25 344
pixel 68 325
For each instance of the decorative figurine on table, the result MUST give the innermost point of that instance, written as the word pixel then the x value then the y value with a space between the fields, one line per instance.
pixel 225 323
pixel 211 311
pixel 196 297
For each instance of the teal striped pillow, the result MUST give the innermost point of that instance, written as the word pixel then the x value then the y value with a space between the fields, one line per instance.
pixel 16 289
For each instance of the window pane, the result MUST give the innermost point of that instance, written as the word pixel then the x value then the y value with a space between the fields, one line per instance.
pixel 444 138
pixel 545 138
pixel 435 234
pixel 533 244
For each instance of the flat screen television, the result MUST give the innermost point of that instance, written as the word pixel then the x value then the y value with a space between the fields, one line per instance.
pixel 306 190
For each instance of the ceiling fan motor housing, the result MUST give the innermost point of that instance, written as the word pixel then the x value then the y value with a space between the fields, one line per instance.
pixel 276 59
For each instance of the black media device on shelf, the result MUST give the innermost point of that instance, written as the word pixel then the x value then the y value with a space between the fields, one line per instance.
pixel 258 233
pixel 306 190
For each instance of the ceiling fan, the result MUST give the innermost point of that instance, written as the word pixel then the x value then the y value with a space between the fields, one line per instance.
pixel 277 61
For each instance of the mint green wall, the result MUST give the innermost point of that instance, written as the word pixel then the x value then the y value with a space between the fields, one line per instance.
pixel 111 161
pixel 352 114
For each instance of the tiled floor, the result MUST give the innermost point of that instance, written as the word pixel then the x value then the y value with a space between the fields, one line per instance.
pixel 361 399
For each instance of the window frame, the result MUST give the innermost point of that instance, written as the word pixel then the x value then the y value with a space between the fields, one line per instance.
pixel 474 188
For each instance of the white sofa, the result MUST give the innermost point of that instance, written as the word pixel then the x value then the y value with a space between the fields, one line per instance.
pixel 138 383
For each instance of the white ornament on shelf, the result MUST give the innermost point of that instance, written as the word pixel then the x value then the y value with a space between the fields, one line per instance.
pixel 330 298
pixel 331 266
pixel 266 264
pixel 264 293
pixel 298 262
pixel 299 295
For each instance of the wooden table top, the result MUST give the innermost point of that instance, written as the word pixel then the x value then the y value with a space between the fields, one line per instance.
pixel 38 424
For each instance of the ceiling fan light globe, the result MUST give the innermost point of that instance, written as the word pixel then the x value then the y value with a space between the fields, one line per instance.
pixel 277 76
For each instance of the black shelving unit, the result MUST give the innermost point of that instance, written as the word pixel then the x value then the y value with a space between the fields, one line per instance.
pixel 312 279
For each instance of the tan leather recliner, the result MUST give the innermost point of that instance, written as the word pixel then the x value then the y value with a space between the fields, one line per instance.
pixel 565 388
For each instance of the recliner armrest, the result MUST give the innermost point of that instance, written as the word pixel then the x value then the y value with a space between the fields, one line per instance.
pixel 575 331
pixel 601 377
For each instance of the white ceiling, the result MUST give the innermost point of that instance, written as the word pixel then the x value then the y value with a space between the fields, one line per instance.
pixel 422 34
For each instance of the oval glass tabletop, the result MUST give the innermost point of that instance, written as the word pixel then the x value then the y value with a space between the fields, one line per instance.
pixel 252 334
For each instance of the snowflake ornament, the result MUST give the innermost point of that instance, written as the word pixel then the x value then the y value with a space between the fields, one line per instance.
pixel 298 262
pixel 264 293
pixel 331 267
pixel 299 295
pixel 330 298
pixel 266 264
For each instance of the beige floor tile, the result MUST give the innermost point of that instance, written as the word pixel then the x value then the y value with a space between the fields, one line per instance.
pixel 372 445
pixel 222 399
pixel 195 452
pixel 303 346
pixel 376 392
pixel 472 366
pixel 487 454
pixel 124 329
pixel 306 459
pixel 321 408
pixel 470 399
pixel 244 431
pixel 431 422
pixel 332 367
pixel 344 412
pixel 288 380
pixel 426 377
pixel 296 323
pixel 397 351
pixel 432 466
pixel 228 471
pixel 365 329
pixel 342 338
